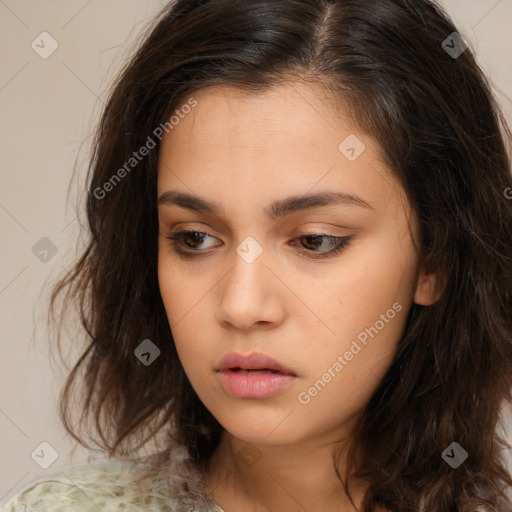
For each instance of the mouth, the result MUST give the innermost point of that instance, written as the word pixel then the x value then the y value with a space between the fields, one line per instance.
pixel 254 383
pixel 254 363
pixel 240 370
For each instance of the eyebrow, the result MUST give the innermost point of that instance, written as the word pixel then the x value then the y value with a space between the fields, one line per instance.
pixel 276 210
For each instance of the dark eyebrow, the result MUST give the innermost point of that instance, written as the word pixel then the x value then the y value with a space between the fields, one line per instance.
pixel 276 210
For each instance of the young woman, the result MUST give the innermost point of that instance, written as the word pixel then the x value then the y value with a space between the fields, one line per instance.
pixel 299 270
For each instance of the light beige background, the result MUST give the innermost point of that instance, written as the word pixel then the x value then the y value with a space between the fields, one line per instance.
pixel 47 111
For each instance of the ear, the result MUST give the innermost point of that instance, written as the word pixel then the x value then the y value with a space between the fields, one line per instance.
pixel 429 288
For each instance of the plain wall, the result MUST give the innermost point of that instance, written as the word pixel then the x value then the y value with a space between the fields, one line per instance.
pixel 48 107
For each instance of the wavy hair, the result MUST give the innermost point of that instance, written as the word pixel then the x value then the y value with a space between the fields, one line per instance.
pixel 445 139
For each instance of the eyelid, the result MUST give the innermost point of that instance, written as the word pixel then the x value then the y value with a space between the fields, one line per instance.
pixel 314 228
pixel 311 231
pixel 179 234
pixel 339 242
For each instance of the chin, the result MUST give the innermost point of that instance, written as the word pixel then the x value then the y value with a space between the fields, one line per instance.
pixel 261 429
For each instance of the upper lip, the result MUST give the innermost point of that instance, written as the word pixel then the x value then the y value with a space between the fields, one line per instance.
pixel 254 361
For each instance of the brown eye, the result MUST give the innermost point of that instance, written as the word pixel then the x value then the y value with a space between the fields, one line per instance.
pixel 187 242
pixel 313 241
pixel 194 237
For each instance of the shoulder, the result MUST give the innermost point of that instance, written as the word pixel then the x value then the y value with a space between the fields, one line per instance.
pixel 80 487
pixel 107 486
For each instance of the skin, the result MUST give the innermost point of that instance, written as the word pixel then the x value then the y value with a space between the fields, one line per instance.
pixel 245 151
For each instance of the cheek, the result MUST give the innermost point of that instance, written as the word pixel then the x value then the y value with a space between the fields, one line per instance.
pixel 383 272
pixel 367 283
pixel 364 312
pixel 344 371
pixel 184 297
pixel 180 289
pixel 186 290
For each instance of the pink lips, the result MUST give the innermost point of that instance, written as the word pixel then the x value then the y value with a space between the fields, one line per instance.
pixel 253 376
pixel 254 361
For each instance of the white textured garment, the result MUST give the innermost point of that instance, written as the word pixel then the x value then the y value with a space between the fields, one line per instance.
pixel 119 486
pixel 115 486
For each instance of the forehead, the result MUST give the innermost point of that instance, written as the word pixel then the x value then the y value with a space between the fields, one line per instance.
pixel 255 148
pixel 226 117
pixel 282 130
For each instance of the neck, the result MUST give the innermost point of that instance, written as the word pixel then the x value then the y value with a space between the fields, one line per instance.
pixel 243 476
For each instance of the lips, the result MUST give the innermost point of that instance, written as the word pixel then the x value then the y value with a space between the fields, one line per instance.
pixel 252 363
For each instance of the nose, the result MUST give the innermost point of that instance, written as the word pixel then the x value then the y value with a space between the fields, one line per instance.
pixel 251 294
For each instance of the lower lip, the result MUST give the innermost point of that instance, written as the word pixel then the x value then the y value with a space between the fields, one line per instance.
pixel 253 385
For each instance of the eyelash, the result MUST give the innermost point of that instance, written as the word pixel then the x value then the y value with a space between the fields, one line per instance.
pixel 341 242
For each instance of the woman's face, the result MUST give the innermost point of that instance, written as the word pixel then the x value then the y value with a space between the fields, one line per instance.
pixel 270 284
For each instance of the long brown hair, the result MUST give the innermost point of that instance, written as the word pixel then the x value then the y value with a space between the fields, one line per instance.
pixel 442 134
